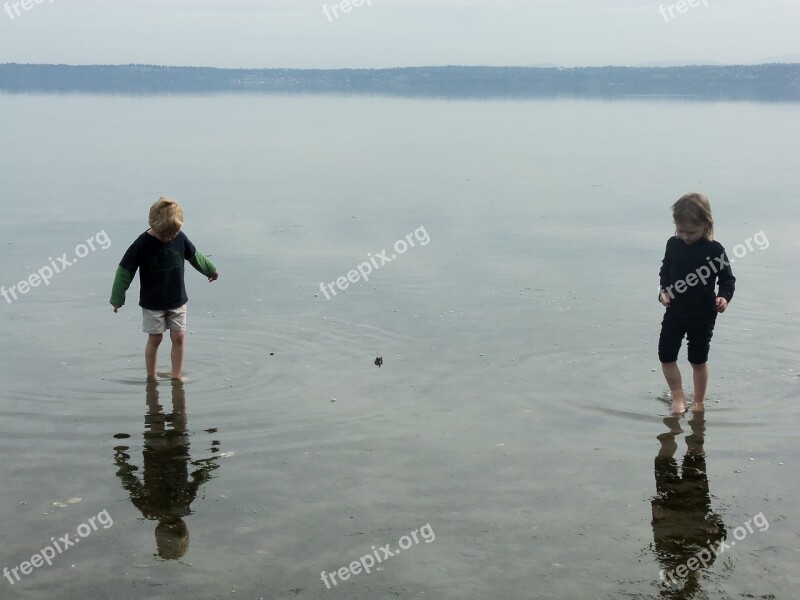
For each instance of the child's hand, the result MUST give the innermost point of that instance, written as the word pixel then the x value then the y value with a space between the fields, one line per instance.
pixel 214 277
pixel 664 298
pixel 722 304
pixel 116 307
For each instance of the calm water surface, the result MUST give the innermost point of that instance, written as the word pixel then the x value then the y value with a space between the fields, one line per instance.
pixel 518 413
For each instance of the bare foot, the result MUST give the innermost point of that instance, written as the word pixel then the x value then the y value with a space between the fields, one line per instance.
pixel 698 406
pixel 678 405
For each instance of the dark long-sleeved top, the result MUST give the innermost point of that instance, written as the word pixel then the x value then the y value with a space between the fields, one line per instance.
pixel 161 271
pixel 690 273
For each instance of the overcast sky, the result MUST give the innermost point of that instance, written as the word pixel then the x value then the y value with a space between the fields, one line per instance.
pixel 388 33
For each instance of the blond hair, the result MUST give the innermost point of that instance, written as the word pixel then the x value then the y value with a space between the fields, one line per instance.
pixel 166 217
pixel 694 209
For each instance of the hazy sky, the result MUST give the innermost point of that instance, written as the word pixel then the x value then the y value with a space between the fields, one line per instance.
pixel 383 33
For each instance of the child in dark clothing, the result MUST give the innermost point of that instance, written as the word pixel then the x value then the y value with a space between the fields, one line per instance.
pixel 694 263
pixel 159 255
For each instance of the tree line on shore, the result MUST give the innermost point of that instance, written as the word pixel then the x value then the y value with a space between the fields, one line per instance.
pixel 768 82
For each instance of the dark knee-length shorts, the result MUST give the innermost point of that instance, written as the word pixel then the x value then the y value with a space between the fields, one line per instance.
pixel 698 331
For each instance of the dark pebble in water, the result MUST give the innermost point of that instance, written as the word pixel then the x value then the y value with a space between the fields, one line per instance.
pixel 121 436
pixel 379 361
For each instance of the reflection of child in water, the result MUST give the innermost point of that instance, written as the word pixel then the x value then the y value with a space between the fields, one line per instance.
pixel 166 489
pixel 683 522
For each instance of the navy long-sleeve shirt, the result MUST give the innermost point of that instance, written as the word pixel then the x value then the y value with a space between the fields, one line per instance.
pixel 690 273
pixel 161 273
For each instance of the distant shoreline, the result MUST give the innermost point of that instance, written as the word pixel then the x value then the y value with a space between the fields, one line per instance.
pixel 776 82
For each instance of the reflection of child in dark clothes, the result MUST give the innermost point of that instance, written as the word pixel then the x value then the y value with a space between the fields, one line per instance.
pixel 166 489
pixel 683 522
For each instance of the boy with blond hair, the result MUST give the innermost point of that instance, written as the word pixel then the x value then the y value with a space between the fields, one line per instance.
pixel 159 254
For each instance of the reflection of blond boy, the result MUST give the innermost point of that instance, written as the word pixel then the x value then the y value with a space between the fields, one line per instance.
pixel 159 254
pixel 172 538
pixel 166 489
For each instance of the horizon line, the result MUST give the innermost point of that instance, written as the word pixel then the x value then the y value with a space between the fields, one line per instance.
pixel 463 66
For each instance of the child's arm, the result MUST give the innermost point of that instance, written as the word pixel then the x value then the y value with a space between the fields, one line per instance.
pixel 122 281
pixel 204 265
pixel 664 293
pixel 726 283
pixel 124 275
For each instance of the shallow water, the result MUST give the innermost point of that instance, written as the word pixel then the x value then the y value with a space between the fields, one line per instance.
pixel 518 407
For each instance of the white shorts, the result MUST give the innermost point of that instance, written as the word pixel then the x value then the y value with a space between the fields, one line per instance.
pixel 158 321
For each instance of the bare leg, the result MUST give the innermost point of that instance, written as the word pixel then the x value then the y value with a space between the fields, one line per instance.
pixel 700 377
pixel 151 353
pixel 673 376
pixel 177 338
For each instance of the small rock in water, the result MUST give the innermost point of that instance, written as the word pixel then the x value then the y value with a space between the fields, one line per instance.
pixel 378 361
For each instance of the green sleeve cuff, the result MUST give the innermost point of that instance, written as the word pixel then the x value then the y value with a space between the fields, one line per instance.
pixel 122 281
pixel 202 264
